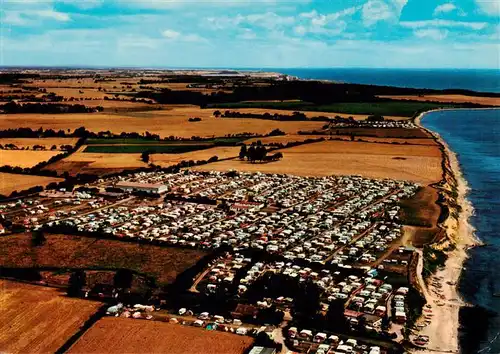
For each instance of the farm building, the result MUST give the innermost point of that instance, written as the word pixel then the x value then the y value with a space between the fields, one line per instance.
pixel 141 187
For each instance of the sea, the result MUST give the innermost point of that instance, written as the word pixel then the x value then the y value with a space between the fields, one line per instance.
pixel 481 80
pixel 474 135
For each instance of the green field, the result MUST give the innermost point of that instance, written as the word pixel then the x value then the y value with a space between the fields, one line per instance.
pixel 385 108
pixel 139 141
pixel 138 149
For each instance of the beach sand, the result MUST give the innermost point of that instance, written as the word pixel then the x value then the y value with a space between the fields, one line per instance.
pixel 441 290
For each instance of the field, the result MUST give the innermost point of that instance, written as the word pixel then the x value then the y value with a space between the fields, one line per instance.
pixel 222 152
pixel 421 210
pixel 297 138
pixel 13 182
pixel 61 251
pixel 416 163
pixel 137 149
pixel 421 214
pixel 171 122
pixel 81 162
pixel 87 162
pixel 138 141
pixel 30 142
pixel 493 101
pixel 122 335
pixel 24 158
pixel 389 108
pixel 35 319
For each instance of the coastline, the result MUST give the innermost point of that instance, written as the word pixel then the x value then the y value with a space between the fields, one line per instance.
pixel 441 293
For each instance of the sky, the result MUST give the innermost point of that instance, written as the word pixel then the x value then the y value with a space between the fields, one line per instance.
pixel 251 33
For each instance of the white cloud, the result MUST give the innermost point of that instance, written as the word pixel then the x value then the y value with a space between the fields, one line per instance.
pixel 269 20
pixel 167 4
pixel 444 8
pixel 247 34
pixel 331 24
pixel 443 23
pixel 375 11
pixel 32 17
pixel 51 14
pixel 432 33
pixel 300 30
pixel 172 35
pixel 489 7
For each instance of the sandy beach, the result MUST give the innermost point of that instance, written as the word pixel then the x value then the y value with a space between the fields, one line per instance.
pixel 441 314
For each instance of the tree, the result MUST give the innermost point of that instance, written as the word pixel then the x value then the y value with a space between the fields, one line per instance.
pixel 217 114
pixel 77 281
pixel 37 238
pixel 263 340
pixel 251 153
pixel 335 318
pixel 54 147
pixel 145 156
pixel 123 278
pixel 243 151
pixel 260 152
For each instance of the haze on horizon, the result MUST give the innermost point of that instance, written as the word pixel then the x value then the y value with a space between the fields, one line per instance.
pixel 252 34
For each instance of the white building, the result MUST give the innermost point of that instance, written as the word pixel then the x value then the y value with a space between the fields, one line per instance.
pixel 141 187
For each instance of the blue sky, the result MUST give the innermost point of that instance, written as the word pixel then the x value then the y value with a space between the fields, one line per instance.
pixel 251 33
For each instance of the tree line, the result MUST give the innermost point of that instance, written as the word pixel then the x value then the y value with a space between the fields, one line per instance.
pixel 44 108
pixel 295 116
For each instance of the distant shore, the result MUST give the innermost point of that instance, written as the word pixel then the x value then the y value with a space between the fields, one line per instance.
pixel 443 329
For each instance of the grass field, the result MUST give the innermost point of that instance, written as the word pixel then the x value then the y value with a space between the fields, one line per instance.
pixel 25 158
pixel 421 210
pixel 414 163
pixel 395 108
pixel 10 182
pixel 132 141
pixel 137 149
pixel 123 335
pixel 411 133
pixel 490 101
pixel 296 137
pixel 36 319
pixel 62 251
pixel 420 215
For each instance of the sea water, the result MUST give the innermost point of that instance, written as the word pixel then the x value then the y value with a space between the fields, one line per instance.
pixel 474 135
pixel 482 80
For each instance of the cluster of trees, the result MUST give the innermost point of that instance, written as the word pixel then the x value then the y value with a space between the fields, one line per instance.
pixel 44 108
pixel 257 152
pixel 36 147
pixel 295 116
pixel 195 119
pixel 306 296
